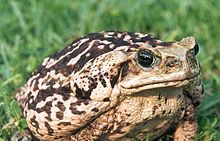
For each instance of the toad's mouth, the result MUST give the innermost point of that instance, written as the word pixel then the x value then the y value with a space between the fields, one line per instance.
pixel 149 86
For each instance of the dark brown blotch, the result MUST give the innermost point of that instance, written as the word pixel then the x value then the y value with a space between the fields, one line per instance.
pixel 47 107
pixel 159 97
pixel 95 110
pixel 34 123
pixel 165 100
pixel 113 80
pixel 48 117
pixel 82 94
pixel 65 91
pixel 79 102
pixel 165 43
pixel 155 107
pixel 75 111
pixel 52 82
pixel 49 129
pixel 64 124
pixel 43 94
pixel 60 105
pixel 106 99
pixel 59 115
pixel 169 112
pixel 128 115
pixel 103 82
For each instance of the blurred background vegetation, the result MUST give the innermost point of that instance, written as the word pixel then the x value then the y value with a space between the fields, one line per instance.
pixel 31 30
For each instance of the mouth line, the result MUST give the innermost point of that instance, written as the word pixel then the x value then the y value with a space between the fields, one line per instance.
pixel 177 83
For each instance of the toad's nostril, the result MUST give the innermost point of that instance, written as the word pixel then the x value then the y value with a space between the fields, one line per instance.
pixel 173 63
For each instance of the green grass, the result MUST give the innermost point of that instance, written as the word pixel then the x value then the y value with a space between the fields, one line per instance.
pixel 31 30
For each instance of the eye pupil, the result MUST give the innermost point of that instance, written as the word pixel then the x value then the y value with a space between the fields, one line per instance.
pixel 145 58
pixel 196 49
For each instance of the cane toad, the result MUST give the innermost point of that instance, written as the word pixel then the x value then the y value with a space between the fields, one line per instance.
pixel 115 86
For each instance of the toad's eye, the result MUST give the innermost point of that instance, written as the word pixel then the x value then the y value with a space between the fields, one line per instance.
pixel 196 49
pixel 145 58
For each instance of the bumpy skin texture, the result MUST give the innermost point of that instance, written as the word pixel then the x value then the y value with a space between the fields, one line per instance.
pixel 98 89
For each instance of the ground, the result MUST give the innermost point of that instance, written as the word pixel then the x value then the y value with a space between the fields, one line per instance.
pixel 32 30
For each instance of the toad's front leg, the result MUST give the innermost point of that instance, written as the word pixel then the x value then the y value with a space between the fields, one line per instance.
pixel 187 128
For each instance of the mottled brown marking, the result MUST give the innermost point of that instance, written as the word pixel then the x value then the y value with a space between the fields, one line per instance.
pixel 103 82
pixel 52 82
pixel 47 107
pixel 75 111
pixel 48 117
pixel 165 43
pixel 66 70
pixel 113 80
pixel 169 112
pixel 34 122
pixel 127 123
pixel 59 115
pixel 49 129
pixel 119 129
pixel 39 110
pixel 155 107
pixel 159 97
pixel 85 102
pixel 95 110
pixel 106 74
pixel 79 102
pixel 106 99
pixel 65 92
pixel 165 100
pixel 128 115
pixel 43 94
pixel 82 94
pixel 60 105
pixel 64 124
